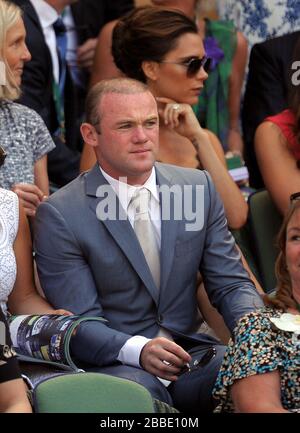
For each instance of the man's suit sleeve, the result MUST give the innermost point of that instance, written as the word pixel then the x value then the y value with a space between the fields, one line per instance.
pixel 265 92
pixel 63 161
pixel 265 95
pixel 117 8
pixel 68 283
pixel 226 282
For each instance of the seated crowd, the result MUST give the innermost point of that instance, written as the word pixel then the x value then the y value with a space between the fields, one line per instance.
pixel 116 200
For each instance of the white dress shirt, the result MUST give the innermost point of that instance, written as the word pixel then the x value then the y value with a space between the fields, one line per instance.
pixel 47 16
pixel 130 352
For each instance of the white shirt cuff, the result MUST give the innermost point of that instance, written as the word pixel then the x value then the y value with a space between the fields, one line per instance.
pixel 130 352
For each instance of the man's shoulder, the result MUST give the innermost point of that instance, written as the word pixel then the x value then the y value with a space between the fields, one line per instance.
pixel 26 6
pixel 277 44
pixel 31 20
pixel 72 192
pixel 182 175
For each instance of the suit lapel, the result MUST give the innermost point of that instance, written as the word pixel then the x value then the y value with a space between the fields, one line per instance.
pixel 122 231
pixel 169 228
pixel 29 10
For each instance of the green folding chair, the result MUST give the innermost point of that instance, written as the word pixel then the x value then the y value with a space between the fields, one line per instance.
pixel 265 222
pixel 94 393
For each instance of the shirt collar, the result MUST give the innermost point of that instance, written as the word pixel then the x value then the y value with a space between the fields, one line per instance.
pixel 125 192
pixel 46 13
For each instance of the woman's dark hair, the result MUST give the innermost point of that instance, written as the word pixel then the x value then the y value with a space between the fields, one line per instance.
pixel 294 96
pixel 147 33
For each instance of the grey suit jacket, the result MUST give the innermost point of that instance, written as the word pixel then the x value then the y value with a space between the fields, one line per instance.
pixel 97 268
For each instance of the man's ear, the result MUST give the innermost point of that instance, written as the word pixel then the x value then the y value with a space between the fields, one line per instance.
pixel 150 69
pixel 89 134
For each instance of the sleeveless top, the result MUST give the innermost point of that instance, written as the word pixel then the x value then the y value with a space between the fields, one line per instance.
pixel 9 222
pixel 286 121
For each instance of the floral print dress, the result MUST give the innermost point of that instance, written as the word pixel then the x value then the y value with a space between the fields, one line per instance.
pixel 261 347
pixel 261 19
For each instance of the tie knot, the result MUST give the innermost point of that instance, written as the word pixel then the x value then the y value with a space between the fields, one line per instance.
pixel 140 201
pixel 59 27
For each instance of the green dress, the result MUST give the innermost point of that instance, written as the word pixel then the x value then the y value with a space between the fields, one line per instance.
pixel 212 107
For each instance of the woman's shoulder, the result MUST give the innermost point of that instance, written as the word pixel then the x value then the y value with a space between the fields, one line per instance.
pixel 284 118
pixel 20 109
pixel 285 122
pixel 9 208
pixel 257 319
pixel 20 112
pixel 8 196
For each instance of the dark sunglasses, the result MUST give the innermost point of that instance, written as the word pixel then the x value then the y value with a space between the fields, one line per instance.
pixel 198 363
pixel 295 196
pixel 2 156
pixel 193 65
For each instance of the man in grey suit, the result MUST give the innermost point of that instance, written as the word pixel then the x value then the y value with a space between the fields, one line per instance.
pixel 93 259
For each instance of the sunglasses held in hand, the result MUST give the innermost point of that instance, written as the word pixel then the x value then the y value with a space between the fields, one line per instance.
pixel 198 363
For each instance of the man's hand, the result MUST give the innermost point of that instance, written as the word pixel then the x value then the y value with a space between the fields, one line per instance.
pixel 164 358
pixel 86 53
pixel 30 196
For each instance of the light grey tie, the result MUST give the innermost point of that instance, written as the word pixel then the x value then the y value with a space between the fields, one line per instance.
pixel 145 232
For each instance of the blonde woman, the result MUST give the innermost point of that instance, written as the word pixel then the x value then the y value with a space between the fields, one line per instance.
pixel 24 136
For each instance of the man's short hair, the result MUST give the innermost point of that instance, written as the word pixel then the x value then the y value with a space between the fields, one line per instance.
pixel 125 86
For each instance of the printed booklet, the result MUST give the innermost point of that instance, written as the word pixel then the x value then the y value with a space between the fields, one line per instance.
pixel 45 338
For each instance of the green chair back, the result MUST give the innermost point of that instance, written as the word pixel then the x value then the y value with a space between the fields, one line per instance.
pixel 265 222
pixel 91 393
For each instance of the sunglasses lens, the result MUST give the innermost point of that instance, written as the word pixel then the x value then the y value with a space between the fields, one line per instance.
pixel 295 196
pixel 207 64
pixel 196 64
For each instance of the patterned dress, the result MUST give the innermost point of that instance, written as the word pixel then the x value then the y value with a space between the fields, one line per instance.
pixel 25 138
pixel 260 347
pixel 262 19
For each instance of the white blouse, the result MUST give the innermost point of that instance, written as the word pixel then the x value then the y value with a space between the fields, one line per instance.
pixel 9 222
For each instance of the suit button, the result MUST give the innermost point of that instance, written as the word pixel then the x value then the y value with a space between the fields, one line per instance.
pixel 160 318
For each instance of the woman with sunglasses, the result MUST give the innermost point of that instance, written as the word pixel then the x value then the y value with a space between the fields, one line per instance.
pixel 218 108
pixel 24 135
pixel 261 368
pixel 162 48
pixel 277 145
